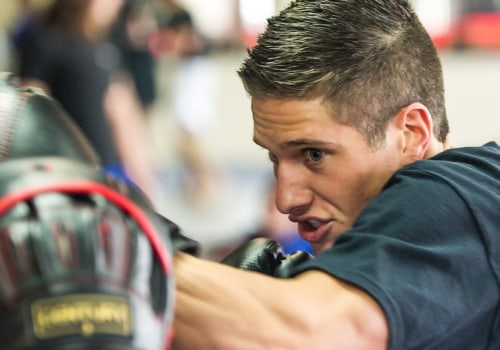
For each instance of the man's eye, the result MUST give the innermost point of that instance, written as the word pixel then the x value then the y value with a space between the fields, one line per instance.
pixel 314 155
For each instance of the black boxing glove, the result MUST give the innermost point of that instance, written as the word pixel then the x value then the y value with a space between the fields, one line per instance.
pixel 265 256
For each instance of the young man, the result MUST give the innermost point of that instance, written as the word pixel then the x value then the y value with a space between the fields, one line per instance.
pixel 347 97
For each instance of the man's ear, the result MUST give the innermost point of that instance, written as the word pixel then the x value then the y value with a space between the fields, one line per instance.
pixel 416 123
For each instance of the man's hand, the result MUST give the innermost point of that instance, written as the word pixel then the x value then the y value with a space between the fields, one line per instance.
pixel 265 256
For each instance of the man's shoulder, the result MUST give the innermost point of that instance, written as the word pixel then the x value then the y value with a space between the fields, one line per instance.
pixel 474 159
pixel 490 149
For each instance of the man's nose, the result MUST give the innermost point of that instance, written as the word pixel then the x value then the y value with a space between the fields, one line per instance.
pixel 292 193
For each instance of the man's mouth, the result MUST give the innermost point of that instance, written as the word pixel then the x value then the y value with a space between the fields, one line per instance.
pixel 313 230
pixel 311 225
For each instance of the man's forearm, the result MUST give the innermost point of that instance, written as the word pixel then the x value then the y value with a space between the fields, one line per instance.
pixel 225 308
pixel 221 307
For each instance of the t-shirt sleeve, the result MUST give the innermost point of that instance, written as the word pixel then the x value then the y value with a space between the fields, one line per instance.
pixel 412 253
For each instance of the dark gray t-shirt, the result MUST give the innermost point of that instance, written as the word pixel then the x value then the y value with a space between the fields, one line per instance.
pixel 428 250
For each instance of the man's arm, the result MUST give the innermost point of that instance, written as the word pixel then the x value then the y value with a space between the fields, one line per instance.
pixel 222 307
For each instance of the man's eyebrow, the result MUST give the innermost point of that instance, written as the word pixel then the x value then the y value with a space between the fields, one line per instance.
pixel 306 142
pixel 299 142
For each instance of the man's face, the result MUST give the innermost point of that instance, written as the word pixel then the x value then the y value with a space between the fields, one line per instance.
pixel 325 171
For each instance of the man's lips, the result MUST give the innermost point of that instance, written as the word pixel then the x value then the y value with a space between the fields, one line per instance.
pixel 312 230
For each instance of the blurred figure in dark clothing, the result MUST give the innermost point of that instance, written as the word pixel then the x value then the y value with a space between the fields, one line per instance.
pixel 70 58
pixel 131 34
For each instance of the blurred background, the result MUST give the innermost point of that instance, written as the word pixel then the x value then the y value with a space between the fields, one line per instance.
pixel 215 183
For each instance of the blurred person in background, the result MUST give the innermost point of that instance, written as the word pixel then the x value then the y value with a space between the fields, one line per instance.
pixel 131 34
pixel 194 97
pixel 69 57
